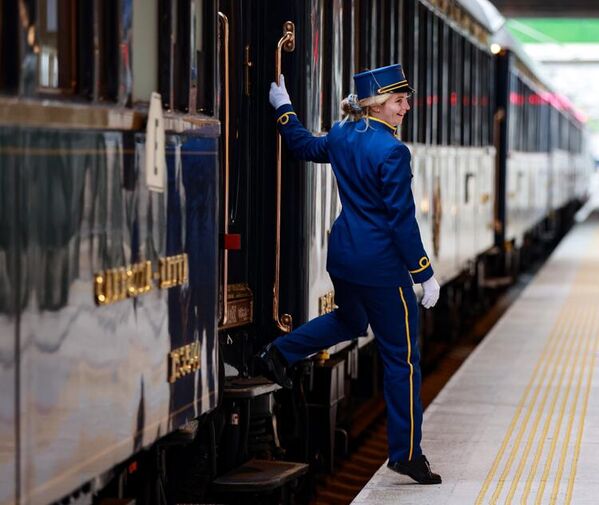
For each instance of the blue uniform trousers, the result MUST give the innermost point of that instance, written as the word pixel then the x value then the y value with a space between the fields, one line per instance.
pixel 392 313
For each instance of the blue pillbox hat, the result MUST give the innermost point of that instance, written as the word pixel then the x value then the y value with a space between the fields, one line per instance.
pixel 390 79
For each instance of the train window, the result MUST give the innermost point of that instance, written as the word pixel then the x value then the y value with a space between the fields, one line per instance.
pixel 66 48
pixel 106 33
pixel 533 121
pixel 442 90
pixel 486 78
pixel 383 32
pixel 512 112
pixel 423 70
pixel 9 35
pixel 410 62
pixel 339 63
pixel 348 46
pixel 517 123
pixel 85 50
pixel 530 127
pixel 395 31
pixel 475 97
pixel 538 125
pixel 457 92
pixel 144 50
pixel 522 116
pixel 481 90
pixel 466 95
pixel 187 31
pixel 525 110
pixel 316 91
pixel 327 73
pixel 54 45
pixel 332 61
pixel 365 45
pixel 432 79
pixel 450 95
pixel 544 125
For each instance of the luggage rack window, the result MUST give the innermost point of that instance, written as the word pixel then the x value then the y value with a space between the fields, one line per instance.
pixel 66 49
pixel 51 36
pixel 9 37
pixel 187 31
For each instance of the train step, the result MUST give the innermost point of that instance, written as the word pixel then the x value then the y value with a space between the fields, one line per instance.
pixel 258 476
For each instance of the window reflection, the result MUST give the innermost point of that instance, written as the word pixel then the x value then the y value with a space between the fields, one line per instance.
pixel 55 45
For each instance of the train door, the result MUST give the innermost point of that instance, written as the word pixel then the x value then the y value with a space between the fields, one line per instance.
pixel 261 191
pixel 282 209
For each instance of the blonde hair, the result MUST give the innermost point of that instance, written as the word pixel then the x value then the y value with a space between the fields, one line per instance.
pixel 353 109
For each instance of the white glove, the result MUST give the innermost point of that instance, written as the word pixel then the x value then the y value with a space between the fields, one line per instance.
pixel 278 94
pixel 431 293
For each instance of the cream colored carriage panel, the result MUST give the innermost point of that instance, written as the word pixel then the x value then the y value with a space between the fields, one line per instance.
pixel 466 238
pixel 428 200
pixel 559 166
pixel 543 185
pixel 323 207
pixel 584 171
pixel 483 199
pixel 531 168
pixel 422 181
pixel 445 194
pixel 516 197
pixel 571 179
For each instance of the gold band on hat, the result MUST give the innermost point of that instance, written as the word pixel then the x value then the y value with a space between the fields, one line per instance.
pixel 394 86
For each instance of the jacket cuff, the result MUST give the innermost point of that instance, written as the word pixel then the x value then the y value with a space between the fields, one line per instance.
pixel 423 272
pixel 283 113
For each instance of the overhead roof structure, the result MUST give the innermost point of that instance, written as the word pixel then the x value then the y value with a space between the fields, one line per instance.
pixel 548 8
pixel 485 12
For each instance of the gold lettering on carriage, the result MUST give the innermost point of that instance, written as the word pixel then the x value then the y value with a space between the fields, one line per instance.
pixel 116 284
pixel 326 303
pixel 183 361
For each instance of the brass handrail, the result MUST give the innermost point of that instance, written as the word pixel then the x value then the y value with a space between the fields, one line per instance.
pixel 284 322
pixel 225 306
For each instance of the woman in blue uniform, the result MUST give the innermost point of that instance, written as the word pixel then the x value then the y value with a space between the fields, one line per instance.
pixel 375 252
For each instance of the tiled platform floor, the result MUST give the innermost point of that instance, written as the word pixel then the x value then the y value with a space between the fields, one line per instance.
pixel 519 422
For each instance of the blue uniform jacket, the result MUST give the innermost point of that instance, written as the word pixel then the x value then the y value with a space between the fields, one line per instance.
pixel 375 241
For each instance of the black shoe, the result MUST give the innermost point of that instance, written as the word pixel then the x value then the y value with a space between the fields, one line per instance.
pixel 418 469
pixel 272 364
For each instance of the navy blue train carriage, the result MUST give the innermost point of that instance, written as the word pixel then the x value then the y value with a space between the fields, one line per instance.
pixel 138 278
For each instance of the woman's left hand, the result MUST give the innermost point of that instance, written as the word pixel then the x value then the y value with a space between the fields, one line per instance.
pixel 278 94
pixel 431 293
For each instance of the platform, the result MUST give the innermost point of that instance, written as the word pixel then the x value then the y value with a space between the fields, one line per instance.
pixel 518 422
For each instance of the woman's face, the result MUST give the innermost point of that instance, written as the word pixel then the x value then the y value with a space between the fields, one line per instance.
pixel 394 109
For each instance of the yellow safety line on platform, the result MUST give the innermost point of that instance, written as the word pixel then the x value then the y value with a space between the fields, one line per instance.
pixel 541 409
pixel 564 453
pixel 548 351
pixel 540 447
pixel 558 424
pixel 557 429
pixel 576 320
pixel 565 335
pixel 583 415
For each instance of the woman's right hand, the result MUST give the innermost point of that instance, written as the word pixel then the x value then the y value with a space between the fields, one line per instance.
pixel 431 293
pixel 278 94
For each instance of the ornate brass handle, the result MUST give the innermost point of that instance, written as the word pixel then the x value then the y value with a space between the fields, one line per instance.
pixel 225 307
pixel 285 321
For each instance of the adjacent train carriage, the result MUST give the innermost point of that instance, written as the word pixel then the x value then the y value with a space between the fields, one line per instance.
pixel 542 166
pixel 108 284
pixel 155 233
